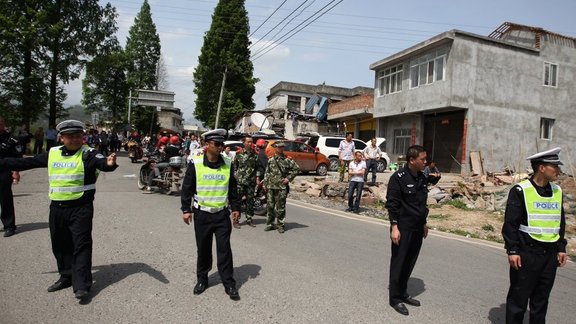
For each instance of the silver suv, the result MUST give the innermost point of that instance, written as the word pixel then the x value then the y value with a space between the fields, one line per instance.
pixel 328 145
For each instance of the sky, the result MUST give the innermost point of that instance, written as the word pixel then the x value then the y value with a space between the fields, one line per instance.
pixel 337 48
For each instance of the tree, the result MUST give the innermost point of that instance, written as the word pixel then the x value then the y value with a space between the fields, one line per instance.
pixel 78 30
pixel 105 87
pixel 143 52
pixel 22 73
pixel 225 48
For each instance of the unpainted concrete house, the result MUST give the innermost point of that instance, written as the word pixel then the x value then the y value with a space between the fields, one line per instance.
pixel 507 95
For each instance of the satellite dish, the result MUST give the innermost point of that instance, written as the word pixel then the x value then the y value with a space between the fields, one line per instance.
pixel 260 121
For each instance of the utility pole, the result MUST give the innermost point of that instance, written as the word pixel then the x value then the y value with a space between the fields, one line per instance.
pixel 220 99
pixel 129 108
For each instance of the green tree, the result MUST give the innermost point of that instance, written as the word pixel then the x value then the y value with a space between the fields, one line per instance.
pixel 225 48
pixel 105 87
pixel 143 52
pixel 78 30
pixel 23 88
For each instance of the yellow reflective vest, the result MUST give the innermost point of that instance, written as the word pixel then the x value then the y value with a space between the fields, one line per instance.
pixel 66 175
pixel 544 213
pixel 211 186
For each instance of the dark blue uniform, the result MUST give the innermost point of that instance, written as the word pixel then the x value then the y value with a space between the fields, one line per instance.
pixel 8 149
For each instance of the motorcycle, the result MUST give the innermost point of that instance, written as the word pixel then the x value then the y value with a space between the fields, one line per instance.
pixel 259 201
pixel 135 152
pixel 170 179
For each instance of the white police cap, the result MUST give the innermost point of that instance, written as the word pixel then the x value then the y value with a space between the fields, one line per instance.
pixel 550 156
pixel 70 127
pixel 218 135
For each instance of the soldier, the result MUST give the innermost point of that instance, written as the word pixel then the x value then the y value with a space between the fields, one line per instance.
pixel 533 231
pixel 209 192
pixel 280 171
pixel 72 173
pixel 246 165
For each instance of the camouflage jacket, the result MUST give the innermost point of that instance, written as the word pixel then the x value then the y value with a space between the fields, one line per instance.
pixel 280 167
pixel 246 164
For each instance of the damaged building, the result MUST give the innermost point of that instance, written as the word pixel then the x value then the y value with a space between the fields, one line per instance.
pixel 504 96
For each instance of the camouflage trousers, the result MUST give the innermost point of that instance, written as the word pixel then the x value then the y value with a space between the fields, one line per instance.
pixel 276 206
pixel 247 190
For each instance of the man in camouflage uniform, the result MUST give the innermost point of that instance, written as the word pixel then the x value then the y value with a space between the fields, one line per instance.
pixel 281 170
pixel 246 164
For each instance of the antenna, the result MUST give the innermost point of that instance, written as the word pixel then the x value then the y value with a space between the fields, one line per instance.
pixel 260 121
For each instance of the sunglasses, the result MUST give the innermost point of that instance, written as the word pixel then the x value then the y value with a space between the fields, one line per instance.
pixel 217 144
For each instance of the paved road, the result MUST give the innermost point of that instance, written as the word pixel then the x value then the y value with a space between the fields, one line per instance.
pixel 328 267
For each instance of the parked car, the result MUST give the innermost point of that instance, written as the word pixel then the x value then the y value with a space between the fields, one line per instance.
pixel 307 158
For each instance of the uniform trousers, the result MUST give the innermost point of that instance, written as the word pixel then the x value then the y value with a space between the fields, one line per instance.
pixel 276 206
pixel 7 200
pixel 71 235
pixel 247 190
pixel 402 263
pixel 532 282
pixel 207 226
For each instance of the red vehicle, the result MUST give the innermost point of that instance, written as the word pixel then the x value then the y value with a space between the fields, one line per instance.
pixel 307 158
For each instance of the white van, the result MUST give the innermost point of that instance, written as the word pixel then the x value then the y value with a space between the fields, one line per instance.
pixel 328 145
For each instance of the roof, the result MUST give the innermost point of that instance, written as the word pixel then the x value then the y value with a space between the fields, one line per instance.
pixel 507 28
pixel 318 89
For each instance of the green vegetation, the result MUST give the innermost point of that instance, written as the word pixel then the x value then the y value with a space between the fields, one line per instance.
pixel 438 216
pixel 488 228
pixel 458 204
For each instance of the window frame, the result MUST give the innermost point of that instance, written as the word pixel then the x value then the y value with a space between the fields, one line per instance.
pixel 404 134
pixel 546 128
pixel 421 68
pixel 549 65
pixel 293 101
pixel 390 80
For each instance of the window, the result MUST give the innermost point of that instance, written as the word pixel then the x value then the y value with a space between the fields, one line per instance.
pixel 390 80
pixel 333 142
pixel 359 145
pixel 293 102
pixel 550 74
pixel 402 139
pixel 546 125
pixel 427 70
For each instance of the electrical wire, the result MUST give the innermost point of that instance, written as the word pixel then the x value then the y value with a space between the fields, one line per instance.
pixel 265 20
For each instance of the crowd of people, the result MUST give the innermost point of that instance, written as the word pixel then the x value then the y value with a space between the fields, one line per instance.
pixel 211 197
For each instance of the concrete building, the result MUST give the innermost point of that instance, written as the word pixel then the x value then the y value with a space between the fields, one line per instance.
pixel 171 118
pixel 355 114
pixel 302 103
pixel 506 95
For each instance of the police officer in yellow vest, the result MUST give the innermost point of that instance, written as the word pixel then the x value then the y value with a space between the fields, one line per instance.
pixel 209 192
pixel 533 232
pixel 72 173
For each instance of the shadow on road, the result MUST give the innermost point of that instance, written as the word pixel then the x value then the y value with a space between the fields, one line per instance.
pixel 416 286
pixel 28 227
pixel 22 195
pixel 242 274
pixel 107 275
pixel 291 226
pixel 497 315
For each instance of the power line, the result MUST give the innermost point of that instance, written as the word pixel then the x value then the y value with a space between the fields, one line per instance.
pixel 297 31
pixel 270 16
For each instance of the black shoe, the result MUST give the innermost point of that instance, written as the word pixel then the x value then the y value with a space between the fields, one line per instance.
pixel 269 228
pixel 250 223
pixel 233 293
pixel 411 301
pixel 348 209
pixel 356 211
pixel 200 288
pixel 401 308
pixel 80 293
pixel 9 232
pixel 59 285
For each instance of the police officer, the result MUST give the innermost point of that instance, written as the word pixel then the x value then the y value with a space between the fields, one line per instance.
pixel 7 149
pixel 72 173
pixel 246 164
pixel 406 203
pixel 211 184
pixel 280 172
pixel 533 232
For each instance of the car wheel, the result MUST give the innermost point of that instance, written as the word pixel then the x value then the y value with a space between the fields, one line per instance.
pixel 381 165
pixel 334 163
pixel 322 169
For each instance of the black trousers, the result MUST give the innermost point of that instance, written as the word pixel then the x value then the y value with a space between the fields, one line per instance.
pixel 71 235
pixel 402 263
pixel 7 200
pixel 207 226
pixel 371 166
pixel 532 282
